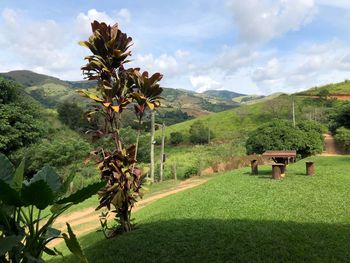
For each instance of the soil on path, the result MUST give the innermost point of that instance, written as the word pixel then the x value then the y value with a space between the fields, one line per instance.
pixel 87 220
pixel 332 148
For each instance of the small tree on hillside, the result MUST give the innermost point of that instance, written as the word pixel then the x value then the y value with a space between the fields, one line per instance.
pixel 117 88
pixel 198 133
pixel 176 138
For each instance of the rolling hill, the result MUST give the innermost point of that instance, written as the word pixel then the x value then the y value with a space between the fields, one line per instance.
pixel 50 91
pixel 340 88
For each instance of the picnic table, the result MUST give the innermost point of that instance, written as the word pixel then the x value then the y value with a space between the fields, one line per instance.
pixel 281 159
pixel 284 157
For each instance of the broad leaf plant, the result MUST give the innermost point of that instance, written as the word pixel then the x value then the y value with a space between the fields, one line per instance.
pixel 28 209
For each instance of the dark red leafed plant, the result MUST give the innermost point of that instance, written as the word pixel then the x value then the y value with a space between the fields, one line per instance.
pixel 117 88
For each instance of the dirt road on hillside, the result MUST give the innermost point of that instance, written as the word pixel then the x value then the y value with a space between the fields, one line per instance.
pixel 87 220
pixel 331 146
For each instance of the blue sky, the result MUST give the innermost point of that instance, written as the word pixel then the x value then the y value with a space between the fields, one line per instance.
pixel 250 46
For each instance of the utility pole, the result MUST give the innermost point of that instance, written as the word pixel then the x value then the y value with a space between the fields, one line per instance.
pixel 208 135
pixel 293 113
pixel 152 144
pixel 162 153
pixel 174 170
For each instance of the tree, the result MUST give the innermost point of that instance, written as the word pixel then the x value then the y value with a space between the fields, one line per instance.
pixel 72 115
pixel 340 117
pixel 117 88
pixel 176 138
pixel 306 138
pixel 20 118
pixel 198 133
pixel 9 91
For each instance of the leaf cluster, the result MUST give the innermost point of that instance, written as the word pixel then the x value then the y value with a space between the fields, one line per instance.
pixel 23 227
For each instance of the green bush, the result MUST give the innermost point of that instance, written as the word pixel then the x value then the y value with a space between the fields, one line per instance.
pixel 176 138
pixel 72 115
pixel 343 136
pixel 306 138
pixel 198 133
pixel 58 153
pixel 192 170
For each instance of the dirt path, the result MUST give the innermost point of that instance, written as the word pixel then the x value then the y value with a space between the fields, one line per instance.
pixel 331 147
pixel 87 220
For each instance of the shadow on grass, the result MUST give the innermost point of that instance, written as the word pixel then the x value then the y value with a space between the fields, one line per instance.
pixel 223 241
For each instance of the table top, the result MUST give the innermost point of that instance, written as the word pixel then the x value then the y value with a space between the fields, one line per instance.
pixel 280 154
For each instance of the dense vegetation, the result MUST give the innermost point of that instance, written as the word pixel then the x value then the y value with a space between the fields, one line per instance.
pixel 20 118
pixel 340 124
pixel 306 138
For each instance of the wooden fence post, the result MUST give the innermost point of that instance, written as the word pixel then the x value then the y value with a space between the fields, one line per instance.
pixel 254 167
pixel 310 168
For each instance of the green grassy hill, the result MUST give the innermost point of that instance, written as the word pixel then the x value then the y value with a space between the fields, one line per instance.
pixel 336 88
pixel 236 217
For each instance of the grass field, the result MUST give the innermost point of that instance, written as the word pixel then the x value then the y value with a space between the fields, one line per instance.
pixel 236 217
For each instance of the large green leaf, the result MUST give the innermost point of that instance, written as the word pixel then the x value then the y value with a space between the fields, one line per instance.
pixel 82 194
pixel 6 169
pixel 37 193
pixel 73 244
pixel 9 195
pixel 49 176
pixel 17 180
pixel 65 186
pixel 7 243
pixel 52 232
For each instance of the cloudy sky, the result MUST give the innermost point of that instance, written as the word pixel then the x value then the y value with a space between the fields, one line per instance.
pixel 249 46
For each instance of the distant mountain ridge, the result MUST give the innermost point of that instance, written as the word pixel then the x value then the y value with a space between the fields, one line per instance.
pixel 223 94
pixel 50 91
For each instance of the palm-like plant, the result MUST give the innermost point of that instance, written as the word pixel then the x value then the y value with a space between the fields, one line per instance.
pixel 117 88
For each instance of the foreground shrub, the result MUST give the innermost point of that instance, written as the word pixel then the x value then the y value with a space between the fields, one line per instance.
pixel 25 230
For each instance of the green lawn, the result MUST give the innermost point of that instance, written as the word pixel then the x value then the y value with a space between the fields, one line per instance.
pixel 236 217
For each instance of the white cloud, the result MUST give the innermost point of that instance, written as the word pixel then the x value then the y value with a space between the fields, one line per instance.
pixel 303 68
pixel 124 15
pixel 259 21
pixel 166 64
pixel 35 44
pixel 203 83
pixel 83 21
pixel 344 4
